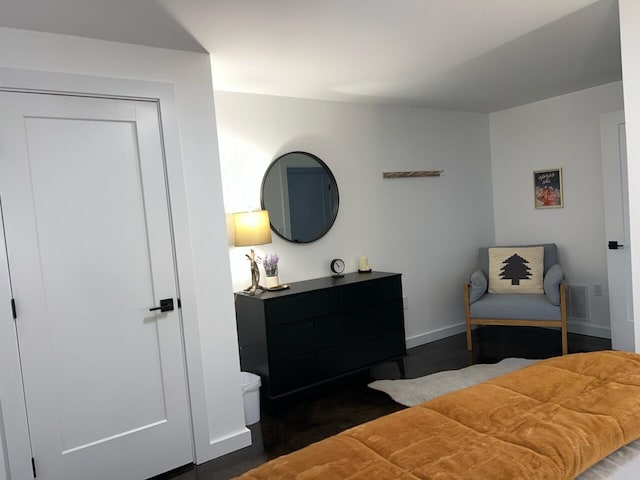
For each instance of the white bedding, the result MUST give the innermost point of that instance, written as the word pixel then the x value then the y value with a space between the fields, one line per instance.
pixel 623 464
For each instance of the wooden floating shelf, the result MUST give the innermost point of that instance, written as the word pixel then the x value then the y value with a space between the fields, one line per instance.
pixel 415 173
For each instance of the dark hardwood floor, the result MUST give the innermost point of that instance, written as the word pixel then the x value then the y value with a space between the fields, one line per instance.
pixel 316 414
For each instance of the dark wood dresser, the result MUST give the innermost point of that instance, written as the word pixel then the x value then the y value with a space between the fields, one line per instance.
pixel 320 329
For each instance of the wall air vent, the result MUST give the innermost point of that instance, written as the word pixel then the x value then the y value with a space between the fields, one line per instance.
pixel 577 302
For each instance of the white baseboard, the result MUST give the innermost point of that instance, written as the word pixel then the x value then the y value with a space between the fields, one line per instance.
pixel 221 446
pixel 434 335
pixel 573 327
pixel 586 329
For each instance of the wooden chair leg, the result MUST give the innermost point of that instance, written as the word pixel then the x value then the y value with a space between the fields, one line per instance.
pixel 565 347
pixel 563 316
pixel 466 311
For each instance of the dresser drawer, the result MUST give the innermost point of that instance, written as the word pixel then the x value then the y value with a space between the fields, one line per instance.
pixel 389 289
pixel 373 292
pixel 381 347
pixel 303 337
pixel 390 315
pixel 372 320
pixel 358 295
pixel 280 311
pixel 360 324
pixel 305 370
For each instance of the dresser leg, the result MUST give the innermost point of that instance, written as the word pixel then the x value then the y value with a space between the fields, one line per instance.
pixel 400 363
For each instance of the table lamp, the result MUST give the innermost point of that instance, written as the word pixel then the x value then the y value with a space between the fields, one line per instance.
pixel 251 229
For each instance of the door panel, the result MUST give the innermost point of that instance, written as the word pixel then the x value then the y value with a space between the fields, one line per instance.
pixel 309 191
pixel 90 251
pixel 616 203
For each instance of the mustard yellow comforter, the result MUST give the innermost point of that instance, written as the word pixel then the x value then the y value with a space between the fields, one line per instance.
pixel 551 420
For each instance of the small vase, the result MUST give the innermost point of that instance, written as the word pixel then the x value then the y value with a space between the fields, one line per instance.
pixel 273 281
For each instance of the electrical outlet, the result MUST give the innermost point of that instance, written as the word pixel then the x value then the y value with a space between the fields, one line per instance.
pixel 597 289
pixel 405 303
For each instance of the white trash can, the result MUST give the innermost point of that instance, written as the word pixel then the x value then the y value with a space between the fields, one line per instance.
pixel 251 397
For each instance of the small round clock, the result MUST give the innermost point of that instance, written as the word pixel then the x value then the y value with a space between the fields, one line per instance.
pixel 337 267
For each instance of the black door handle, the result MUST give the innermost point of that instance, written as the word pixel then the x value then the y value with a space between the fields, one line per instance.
pixel 166 305
pixel 614 245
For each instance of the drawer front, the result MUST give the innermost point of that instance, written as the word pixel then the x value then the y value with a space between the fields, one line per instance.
pixel 305 370
pixel 292 308
pixel 358 295
pixel 303 337
pixel 390 315
pixel 373 350
pixel 372 320
pixel 389 288
pixel 359 324
pixel 373 292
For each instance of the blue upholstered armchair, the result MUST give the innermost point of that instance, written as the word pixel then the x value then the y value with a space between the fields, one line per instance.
pixel 544 307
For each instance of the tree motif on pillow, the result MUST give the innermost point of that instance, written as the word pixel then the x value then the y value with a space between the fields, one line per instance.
pixel 516 270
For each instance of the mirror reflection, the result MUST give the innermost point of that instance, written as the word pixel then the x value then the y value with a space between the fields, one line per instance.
pixel 301 195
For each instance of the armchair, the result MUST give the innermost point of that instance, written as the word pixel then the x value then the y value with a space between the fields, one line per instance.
pixel 546 308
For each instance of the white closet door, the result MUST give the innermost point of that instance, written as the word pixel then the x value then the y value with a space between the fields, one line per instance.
pixel 90 251
pixel 616 207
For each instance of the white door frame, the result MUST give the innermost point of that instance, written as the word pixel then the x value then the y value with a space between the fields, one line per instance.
pixel 12 407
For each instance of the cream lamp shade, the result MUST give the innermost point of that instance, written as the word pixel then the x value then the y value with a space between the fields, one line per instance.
pixel 251 228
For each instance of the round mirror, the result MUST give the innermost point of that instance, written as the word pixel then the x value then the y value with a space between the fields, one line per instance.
pixel 301 195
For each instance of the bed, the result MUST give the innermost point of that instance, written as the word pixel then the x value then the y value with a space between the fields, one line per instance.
pixel 552 420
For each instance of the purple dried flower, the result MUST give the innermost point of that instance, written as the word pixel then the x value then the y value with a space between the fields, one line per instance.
pixel 270 264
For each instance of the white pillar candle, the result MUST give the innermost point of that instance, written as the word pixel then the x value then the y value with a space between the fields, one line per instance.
pixel 363 263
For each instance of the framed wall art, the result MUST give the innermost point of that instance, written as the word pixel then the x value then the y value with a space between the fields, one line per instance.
pixel 547 188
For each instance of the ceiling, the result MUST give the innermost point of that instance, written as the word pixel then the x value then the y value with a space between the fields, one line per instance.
pixel 471 55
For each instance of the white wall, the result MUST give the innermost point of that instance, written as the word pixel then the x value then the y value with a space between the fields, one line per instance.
pixel 558 132
pixel 630 39
pixel 428 229
pixel 201 239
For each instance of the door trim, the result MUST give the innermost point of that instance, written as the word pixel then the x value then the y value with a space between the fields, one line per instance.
pixel 15 434
pixel 15 444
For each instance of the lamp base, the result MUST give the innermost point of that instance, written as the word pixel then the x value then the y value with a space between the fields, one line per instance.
pixel 251 290
pixel 255 274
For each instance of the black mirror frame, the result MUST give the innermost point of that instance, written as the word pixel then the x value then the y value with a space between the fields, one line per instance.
pixel 331 177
